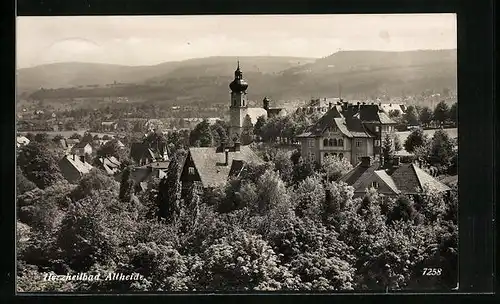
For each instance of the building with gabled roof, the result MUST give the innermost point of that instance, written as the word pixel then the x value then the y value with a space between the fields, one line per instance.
pixel 212 167
pixel 392 179
pixel 111 165
pixel 74 167
pixel 82 148
pixel 348 131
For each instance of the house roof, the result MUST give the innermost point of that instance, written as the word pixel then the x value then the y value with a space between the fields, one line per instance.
pixel 81 145
pixel 387 107
pixel 210 164
pixel 387 180
pixel 75 162
pixel 72 141
pixel 450 180
pixel 407 178
pixel 350 126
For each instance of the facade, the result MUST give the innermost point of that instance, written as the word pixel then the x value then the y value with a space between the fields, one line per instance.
pixel 109 125
pixel 212 167
pixel 390 179
pixel 82 148
pixel 74 167
pixel 349 131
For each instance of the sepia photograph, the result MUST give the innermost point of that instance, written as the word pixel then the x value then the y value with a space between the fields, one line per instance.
pixel 236 154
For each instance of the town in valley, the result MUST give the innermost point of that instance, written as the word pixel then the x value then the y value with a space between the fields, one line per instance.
pixel 329 174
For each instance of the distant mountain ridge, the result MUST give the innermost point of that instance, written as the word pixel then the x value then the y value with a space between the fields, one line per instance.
pixel 362 73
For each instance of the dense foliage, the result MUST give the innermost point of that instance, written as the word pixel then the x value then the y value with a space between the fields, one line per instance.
pixel 278 226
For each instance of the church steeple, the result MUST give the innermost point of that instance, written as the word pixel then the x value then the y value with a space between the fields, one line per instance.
pixel 238 84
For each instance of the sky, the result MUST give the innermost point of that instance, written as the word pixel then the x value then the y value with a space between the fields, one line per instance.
pixel 149 40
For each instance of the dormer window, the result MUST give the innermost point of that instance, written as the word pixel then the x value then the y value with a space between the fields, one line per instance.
pixel 375 185
pixel 191 170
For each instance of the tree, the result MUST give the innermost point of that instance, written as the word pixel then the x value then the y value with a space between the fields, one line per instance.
pixel 416 139
pixel 335 167
pixel 403 210
pixel 219 132
pixel 259 126
pixel 453 114
pixel 22 183
pixel 112 148
pixel 95 180
pixel 201 135
pixel 87 137
pixel 169 193
pixel 387 149
pixel 42 138
pixel 308 199
pixel 39 165
pixel 441 112
pixel 57 138
pixel 441 150
pixel 247 131
pixel 283 164
pixel 426 115
pixel 75 136
pixel 397 143
pixel 411 116
pixel 126 186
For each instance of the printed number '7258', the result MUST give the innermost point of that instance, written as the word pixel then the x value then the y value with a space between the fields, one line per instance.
pixel 432 271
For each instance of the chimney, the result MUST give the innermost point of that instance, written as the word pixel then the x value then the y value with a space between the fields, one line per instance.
pixel 82 158
pixel 365 161
pixel 74 157
pixel 226 154
pixel 381 161
pixel 237 146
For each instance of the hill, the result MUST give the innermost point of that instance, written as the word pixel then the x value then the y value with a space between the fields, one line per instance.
pixel 361 74
pixel 77 74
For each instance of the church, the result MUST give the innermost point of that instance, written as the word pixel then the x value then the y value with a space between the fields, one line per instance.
pixel 239 110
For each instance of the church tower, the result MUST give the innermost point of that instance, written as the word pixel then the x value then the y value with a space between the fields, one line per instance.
pixel 238 108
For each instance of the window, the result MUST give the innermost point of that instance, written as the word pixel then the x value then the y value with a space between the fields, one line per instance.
pixel 377 129
pixel 375 185
pixel 358 143
pixel 377 143
pixel 341 142
pixel 311 156
pixel 334 142
pixel 191 170
pixel 311 143
pixel 325 142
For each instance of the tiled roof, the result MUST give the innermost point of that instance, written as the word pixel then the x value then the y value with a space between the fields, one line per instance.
pixel 357 172
pixel 82 167
pixel 407 178
pixel 349 124
pixel 80 145
pixel 429 181
pixel 387 180
pixel 384 119
pixel 210 165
